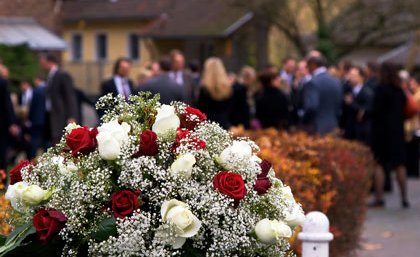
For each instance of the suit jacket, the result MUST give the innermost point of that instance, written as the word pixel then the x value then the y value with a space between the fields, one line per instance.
pixel 7 114
pixel 168 89
pixel 37 107
pixel 322 103
pixel 240 112
pixel 272 108
pixel 360 129
pixel 108 86
pixel 60 90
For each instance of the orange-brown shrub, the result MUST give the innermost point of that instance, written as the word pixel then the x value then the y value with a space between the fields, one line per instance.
pixel 4 205
pixel 326 174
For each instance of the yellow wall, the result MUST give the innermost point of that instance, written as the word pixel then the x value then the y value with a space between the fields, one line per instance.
pixel 88 73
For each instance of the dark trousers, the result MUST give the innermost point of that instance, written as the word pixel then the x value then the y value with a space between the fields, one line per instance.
pixel 37 140
pixel 412 163
pixel 3 150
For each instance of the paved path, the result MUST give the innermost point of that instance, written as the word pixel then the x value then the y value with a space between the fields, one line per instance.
pixel 393 232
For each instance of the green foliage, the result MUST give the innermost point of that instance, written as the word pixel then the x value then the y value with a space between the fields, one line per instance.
pixel 106 228
pixel 15 238
pixel 21 62
pixel 325 44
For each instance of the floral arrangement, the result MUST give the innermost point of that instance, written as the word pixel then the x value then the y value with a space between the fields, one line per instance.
pixel 329 174
pixel 152 180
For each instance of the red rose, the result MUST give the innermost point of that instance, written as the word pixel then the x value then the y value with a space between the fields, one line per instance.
pixel 191 118
pixel 47 223
pixel 148 144
pixel 15 175
pixel 186 137
pixel 82 140
pixel 263 183
pixel 123 203
pixel 230 184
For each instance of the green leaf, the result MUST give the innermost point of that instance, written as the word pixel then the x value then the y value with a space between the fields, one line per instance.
pixel 2 240
pixel 106 228
pixel 15 238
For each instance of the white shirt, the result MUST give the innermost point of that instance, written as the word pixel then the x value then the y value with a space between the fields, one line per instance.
pixel 177 76
pixel 122 85
pixel 27 97
pixel 51 73
pixel 357 89
pixel 319 71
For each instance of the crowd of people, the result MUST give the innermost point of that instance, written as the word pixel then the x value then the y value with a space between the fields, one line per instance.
pixel 375 104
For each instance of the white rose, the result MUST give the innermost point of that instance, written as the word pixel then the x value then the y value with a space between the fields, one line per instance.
pixel 271 231
pixel 14 194
pixel 295 217
pixel 287 192
pixel 34 195
pixel 111 137
pixel 183 165
pixel 166 120
pixel 183 222
pixel 238 152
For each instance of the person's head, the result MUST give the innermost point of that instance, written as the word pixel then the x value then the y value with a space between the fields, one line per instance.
pixel 154 69
pixel 415 82
pixel 247 76
pixel 313 53
pixel 215 79
pixel 4 71
pixel 372 69
pixel 356 76
pixel 122 67
pixel 24 85
pixel 289 65
pixel 194 66
pixel 143 76
pixel 38 81
pixel 177 60
pixel 165 64
pixel 268 78
pixel 302 69
pixel 344 68
pixel 48 61
pixel 314 63
pixel 388 74
pixel 333 71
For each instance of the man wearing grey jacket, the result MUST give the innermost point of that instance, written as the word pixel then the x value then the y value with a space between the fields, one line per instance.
pixel 60 103
pixel 162 84
pixel 322 99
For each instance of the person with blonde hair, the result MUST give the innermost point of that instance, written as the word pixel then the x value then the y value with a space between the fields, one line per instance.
pixel 216 92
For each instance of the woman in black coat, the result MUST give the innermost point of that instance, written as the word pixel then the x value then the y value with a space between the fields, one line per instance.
pixel 272 106
pixel 215 98
pixel 388 132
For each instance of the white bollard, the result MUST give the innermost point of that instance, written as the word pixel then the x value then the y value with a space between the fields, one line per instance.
pixel 315 235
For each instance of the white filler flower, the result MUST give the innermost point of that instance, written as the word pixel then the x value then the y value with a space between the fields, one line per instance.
pixel 111 137
pixel 182 221
pixel 166 120
pixel 271 231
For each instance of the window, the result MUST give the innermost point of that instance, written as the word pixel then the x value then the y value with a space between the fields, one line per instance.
pixel 133 47
pixel 101 47
pixel 76 47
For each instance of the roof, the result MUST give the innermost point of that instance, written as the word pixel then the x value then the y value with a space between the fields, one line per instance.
pixel 19 30
pixel 399 55
pixel 77 10
pixel 168 18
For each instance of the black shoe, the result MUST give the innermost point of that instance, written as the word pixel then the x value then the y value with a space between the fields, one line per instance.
pixel 405 204
pixel 377 204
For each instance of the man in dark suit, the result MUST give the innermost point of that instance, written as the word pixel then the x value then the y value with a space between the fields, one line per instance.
pixel 61 103
pixel 119 83
pixel 183 79
pixel 37 119
pixel 322 98
pixel 359 103
pixel 7 119
pixel 162 84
